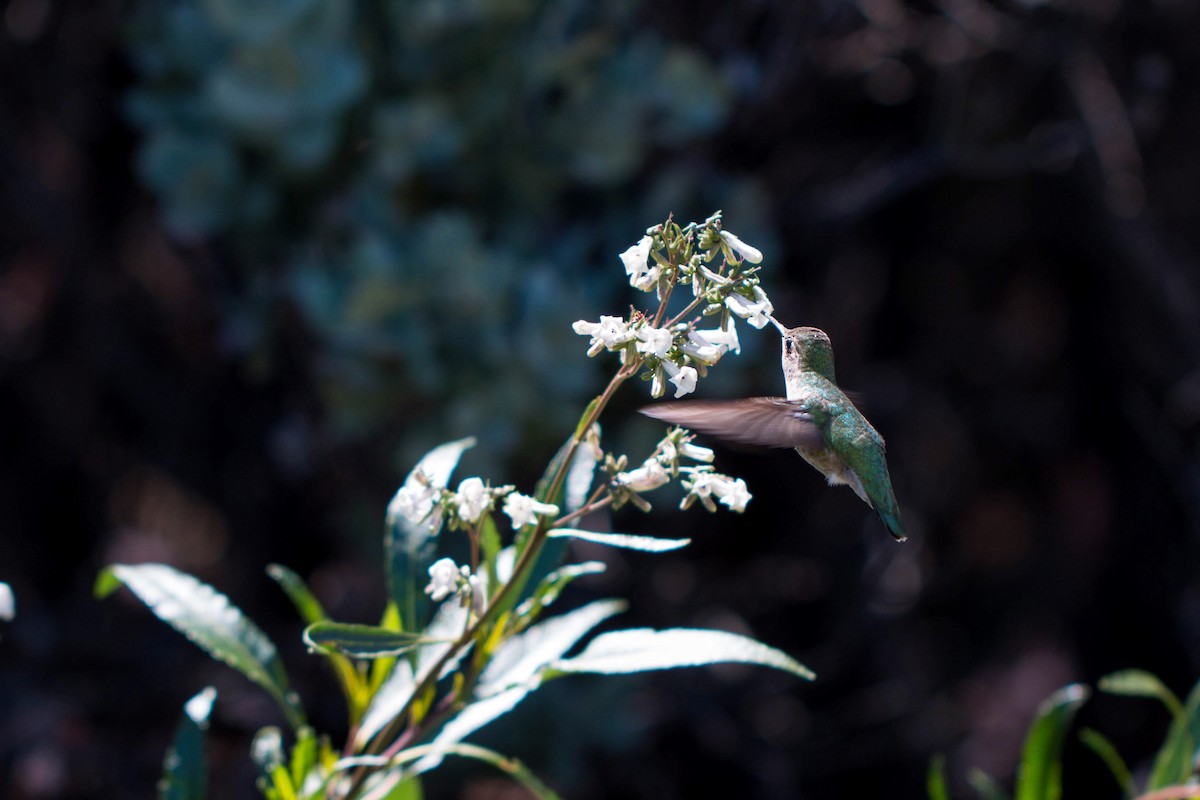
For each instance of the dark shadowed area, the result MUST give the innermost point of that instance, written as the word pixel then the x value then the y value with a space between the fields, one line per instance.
pixel 248 275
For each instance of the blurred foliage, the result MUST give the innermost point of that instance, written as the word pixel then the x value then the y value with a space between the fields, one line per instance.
pixel 379 164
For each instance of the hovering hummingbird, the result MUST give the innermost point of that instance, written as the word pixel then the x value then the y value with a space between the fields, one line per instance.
pixel 816 417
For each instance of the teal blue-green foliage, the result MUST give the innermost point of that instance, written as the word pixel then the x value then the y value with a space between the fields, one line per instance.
pixel 422 179
pixel 1039 772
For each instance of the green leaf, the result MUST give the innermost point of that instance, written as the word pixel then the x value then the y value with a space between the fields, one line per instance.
pixel 304 756
pixel 360 641
pixel 648 544
pixel 274 780
pixel 515 671
pixel 207 618
pixel 935 779
pixel 396 690
pixel 306 603
pixel 1139 683
pixel 642 649
pixel 184 769
pixel 1174 763
pixel 353 687
pixel 1039 776
pixel 553 584
pixel 408 545
pixel 1102 747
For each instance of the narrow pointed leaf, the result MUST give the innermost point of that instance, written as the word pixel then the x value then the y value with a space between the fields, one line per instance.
pixel 306 603
pixel 360 641
pixel 1174 762
pixel 1099 744
pixel 649 544
pixel 553 584
pixel 184 768
pixel 1139 683
pixel 408 544
pixel 397 689
pixel 515 671
pixel 1039 776
pixel 211 621
pixel 642 649
pixel 935 779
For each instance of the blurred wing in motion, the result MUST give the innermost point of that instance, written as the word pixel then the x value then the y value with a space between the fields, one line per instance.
pixel 764 421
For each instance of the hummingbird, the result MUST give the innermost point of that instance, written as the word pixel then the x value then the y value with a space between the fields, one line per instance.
pixel 816 418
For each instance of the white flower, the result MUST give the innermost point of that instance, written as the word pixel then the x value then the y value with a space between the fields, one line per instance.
pixel 472 499
pixel 683 378
pixel 609 332
pixel 757 314
pixel 701 483
pixel 732 494
pixel 702 351
pixel 656 382
pixel 444 575
pixel 654 340
pixel 522 508
pixel 725 338
pixel 641 275
pixel 696 452
pixel 751 254
pixel 416 503
pixel 645 478
pixel 8 604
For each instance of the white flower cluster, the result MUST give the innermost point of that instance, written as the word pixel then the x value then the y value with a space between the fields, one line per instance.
pixel 420 503
pixel 704 484
pixel 679 354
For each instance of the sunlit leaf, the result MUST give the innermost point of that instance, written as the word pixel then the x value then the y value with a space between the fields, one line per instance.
pixel 642 649
pixel 207 618
pixel 553 584
pixel 184 768
pixel 649 544
pixel 515 670
pixel 1039 775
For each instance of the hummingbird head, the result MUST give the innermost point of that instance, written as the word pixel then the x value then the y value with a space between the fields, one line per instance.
pixel 806 350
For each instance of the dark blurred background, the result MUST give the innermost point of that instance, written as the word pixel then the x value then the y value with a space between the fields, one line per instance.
pixel 255 258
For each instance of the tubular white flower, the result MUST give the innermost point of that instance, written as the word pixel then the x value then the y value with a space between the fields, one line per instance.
pixel 757 314
pixel 472 499
pixel 732 494
pixel 702 351
pixel 701 483
pixel 416 502
pixel 521 509
pixel 656 341
pixel 635 258
pixel 656 383
pixel 609 333
pixel 726 337
pixel 696 452
pixel 444 575
pixel 751 254
pixel 645 478
pixel 683 378
pixel 8 604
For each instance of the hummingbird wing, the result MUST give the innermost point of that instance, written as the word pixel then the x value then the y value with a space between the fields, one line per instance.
pixel 763 421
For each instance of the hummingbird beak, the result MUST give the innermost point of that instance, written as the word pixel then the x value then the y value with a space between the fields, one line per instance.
pixel 777 324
